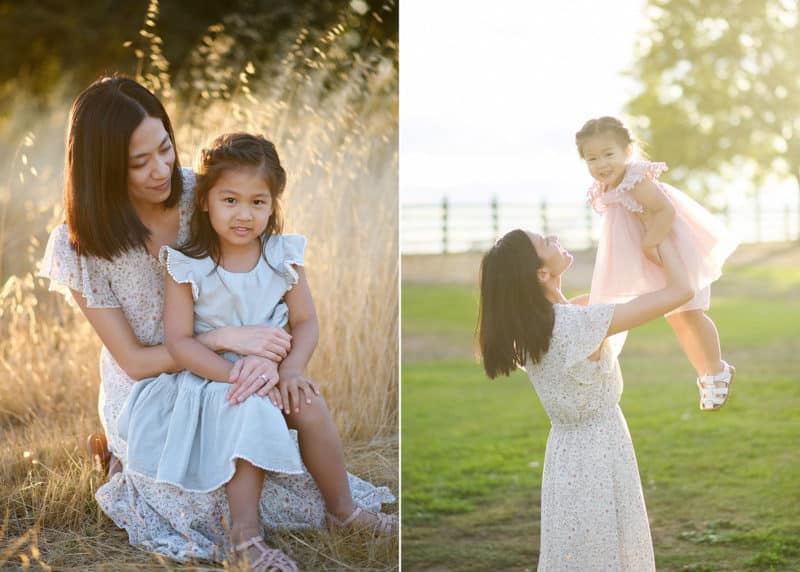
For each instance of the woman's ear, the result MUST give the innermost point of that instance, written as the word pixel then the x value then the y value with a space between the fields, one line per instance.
pixel 629 151
pixel 543 274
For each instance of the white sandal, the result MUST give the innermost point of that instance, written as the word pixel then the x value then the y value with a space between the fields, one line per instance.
pixel 715 389
pixel 268 560
pixel 381 524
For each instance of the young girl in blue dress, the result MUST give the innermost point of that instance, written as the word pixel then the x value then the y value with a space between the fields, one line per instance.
pixel 227 419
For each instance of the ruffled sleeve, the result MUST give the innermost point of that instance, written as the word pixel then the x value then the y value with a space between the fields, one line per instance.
pixel 635 172
pixel 581 330
pixel 283 252
pixel 182 268
pixel 68 271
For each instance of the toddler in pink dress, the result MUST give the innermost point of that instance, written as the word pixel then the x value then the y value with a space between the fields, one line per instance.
pixel 639 212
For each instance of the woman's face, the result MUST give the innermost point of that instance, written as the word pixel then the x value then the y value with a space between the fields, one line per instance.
pixel 151 158
pixel 556 260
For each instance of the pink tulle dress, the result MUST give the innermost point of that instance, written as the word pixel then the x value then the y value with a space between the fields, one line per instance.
pixel 621 270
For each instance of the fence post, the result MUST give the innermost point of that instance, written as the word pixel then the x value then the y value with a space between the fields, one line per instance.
pixel 494 208
pixel 758 215
pixel 444 224
pixel 543 211
pixel 588 211
pixel 787 226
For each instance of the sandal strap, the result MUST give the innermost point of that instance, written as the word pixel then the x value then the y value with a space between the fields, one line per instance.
pixel 268 558
pixel 274 559
pixel 384 523
pixel 346 522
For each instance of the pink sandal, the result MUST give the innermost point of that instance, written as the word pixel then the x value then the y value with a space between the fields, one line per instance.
pixel 268 559
pixel 379 523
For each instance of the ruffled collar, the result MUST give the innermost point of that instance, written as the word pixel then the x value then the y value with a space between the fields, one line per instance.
pixel 635 171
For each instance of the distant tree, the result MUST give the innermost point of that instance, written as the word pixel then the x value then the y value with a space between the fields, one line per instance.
pixel 721 87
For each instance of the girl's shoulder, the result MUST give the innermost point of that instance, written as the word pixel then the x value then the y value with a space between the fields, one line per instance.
pixel 635 173
pixel 279 247
pixel 185 269
pixel 283 252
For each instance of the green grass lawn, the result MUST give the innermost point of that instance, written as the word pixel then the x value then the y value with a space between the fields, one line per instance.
pixel 722 489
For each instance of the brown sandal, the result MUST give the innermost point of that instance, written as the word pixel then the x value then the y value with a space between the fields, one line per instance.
pixel 268 560
pixel 379 523
pixel 97 448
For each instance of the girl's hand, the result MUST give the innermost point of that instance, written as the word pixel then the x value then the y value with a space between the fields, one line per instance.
pixel 291 385
pixel 249 375
pixel 274 396
pixel 265 341
pixel 651 252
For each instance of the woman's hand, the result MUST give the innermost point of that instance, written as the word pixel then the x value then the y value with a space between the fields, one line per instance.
pixel 249 375
pixel 265 341
pixel 291 385
pixel 651 252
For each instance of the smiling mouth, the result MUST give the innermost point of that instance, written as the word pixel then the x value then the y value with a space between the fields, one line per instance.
pixel 162 187
pixel 241 230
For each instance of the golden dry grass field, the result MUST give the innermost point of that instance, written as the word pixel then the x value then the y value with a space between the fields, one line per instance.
pixel 339 147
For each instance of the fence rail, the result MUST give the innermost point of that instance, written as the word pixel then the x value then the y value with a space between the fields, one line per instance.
pixel 449 226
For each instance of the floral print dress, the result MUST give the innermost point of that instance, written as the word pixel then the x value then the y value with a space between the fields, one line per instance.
pixel 593 511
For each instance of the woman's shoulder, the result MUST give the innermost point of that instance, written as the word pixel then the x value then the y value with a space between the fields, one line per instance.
pixel 188 180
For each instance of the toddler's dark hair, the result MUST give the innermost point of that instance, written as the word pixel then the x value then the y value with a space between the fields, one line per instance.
pixel 601 125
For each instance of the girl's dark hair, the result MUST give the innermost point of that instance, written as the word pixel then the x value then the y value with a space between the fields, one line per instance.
pixel 100 217
pixel 227 152
pixel 515 321
pixel 607 124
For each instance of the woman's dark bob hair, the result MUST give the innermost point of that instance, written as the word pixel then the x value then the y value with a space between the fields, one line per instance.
pixel 101 219
pixel 515 321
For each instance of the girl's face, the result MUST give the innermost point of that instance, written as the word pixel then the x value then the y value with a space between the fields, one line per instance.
pixel 555 258
pixel 151 158
pixel 606 158
pixel 239 206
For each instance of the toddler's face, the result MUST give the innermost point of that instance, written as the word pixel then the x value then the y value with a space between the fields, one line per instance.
pixel 606 158
pixel 239 206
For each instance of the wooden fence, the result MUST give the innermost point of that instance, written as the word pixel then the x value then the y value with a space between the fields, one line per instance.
pixel 450 226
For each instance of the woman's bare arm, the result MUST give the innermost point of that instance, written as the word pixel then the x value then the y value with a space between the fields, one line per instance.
pixel 140 361
pixel 649 306
pixel 137 360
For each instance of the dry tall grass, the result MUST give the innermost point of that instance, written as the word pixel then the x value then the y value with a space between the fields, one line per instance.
pixel 340 149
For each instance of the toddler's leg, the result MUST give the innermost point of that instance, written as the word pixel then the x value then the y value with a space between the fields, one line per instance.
pixel 323 454
pixel 699 339
pixel 244 494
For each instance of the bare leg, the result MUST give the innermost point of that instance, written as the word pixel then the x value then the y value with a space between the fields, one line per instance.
pixel 244 493
pixel 323 454
pixel 699 339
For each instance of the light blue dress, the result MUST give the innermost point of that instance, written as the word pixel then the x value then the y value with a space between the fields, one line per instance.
pixel 179 427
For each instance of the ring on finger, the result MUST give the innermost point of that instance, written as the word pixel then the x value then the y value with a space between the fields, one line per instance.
pixel 262 377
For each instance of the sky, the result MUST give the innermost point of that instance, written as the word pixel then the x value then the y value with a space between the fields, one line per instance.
pixel 492 93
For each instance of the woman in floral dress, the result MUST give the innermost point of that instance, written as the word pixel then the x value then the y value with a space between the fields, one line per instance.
pixel 592 507
pixel 126 196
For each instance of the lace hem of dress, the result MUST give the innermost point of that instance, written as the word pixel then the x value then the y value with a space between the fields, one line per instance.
pixel 280 470
pixel 167 257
